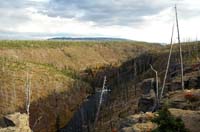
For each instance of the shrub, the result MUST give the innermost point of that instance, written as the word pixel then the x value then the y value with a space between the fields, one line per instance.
pixel 190 97
pixel 168 123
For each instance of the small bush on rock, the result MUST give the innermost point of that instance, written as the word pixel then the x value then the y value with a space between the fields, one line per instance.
pixel 168 123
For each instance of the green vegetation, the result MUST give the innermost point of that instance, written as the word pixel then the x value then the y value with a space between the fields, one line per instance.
pixel 168 123
pixel 37 44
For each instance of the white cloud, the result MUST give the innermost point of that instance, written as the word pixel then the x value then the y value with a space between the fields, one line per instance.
pixel 153 28
pixel 40 0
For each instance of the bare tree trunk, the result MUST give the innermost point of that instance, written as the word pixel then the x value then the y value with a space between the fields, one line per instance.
pixel 180 49
pixel 28 93
pixel 197 48
pixel 168 62
pixel 14 91
pixel 157 91
pixel 3 65
pixel 100 101
pixel 135 76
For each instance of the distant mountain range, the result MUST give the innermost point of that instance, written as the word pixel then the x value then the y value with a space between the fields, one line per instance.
pixel 89 39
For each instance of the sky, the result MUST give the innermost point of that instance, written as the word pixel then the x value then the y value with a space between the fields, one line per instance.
pixel 141 20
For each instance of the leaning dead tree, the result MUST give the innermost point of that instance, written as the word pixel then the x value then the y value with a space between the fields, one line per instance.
pixel 100 101
pixel 168 62
pixel 169 58
pixel 180 48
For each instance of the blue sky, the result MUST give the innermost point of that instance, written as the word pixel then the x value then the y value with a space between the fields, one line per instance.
pixel 143 20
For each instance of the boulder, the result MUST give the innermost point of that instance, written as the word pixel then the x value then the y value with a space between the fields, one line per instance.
pixel 139 123
pixel 144 127
pixel 127 129
pixel 16 123
pixel 147 102
pixel 190 118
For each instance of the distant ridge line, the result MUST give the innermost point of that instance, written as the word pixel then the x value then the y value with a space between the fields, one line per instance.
pixel 89 39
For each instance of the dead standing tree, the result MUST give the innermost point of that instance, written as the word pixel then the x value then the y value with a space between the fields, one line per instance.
pixel 180 49
pixel 157 89
pixel 135 76
pixel 168 62
pixel 14 99
pixel 100 101
pixel 28 93
pixel 169 58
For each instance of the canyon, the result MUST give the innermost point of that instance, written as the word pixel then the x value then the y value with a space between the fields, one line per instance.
pixel 63 75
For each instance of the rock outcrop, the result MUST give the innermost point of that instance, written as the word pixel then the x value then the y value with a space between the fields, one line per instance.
pixel 190 118
pixel 142 122
pixel 16 123
pixel 187 99
pixel 138 123
pixel 182 104
pixel 147 102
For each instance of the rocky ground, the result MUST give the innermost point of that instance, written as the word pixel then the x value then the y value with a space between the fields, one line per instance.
pixel 186 100
pixel 183 104
pixel 142 122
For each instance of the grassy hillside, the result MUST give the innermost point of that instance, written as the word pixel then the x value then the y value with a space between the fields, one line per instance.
pixel 73 55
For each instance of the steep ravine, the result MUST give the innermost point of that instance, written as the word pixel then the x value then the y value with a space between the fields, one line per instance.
pixel 124 98
pixel 83 119
pixel 64 76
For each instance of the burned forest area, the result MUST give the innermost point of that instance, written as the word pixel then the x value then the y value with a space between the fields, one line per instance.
pixel 55 76
pixel 122 95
